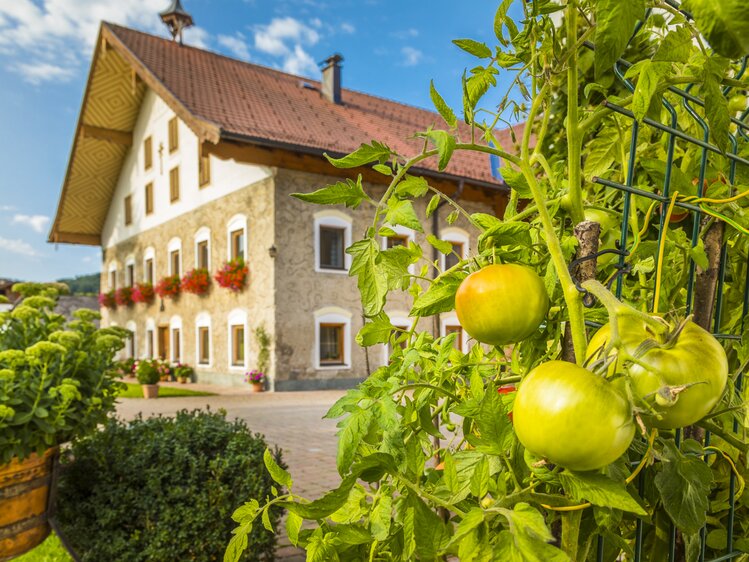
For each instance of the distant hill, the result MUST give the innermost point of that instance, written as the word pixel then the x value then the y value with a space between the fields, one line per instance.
pixel 83 284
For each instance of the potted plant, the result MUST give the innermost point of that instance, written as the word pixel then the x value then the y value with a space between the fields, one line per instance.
pixel 233 275
pixel 183 373
pixel 148 376
pixel 57 382
pixel 143 292
pixel 256 379
pixel 108 300
pixel 168 287
pixel 196 281
pixel 126 367
pixel 124 296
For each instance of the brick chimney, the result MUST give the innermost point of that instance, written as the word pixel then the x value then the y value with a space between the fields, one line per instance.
pixel 331 79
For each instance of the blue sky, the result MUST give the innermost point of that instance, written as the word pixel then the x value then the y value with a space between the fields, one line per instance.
pixel 391 48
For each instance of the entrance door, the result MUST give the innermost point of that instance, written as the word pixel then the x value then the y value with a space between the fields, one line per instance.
pixel 163 342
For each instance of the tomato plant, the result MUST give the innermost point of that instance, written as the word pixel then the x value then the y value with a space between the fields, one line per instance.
pixel 431 464
pixel 501 303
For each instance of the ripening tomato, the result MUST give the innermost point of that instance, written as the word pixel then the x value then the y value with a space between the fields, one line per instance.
pixel 571 417
pixel 696 359
pixel 501 303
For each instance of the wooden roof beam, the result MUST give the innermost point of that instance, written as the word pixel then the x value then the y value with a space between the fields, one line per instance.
pixel 123 138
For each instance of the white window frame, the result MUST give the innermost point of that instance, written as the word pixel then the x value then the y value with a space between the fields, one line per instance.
pixel 452 320
pixel 203 235
pixel 130 260
pixel 236 317
pixel 149 254
pixel 112 268
pixel 397 318
pixel 175 323
pixel 203 320
pixel 410 235
pixel 150 327
pixel 335 219
pixel 454 234
pixel 134 329
pixel 333 315
pixel 237 222
pixel 174 244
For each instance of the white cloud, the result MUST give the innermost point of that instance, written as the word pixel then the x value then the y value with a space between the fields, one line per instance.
pixel 411 56
pixel 347 27
pixel 6 208
pixel 300 62
pixel 37 222
pixel 38 72
pixel 196 37
pixel 17 246
pixel 409 33
pixel 236 45
pixel 286 37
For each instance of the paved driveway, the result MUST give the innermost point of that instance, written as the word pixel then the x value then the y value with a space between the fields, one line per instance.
pixel 290 420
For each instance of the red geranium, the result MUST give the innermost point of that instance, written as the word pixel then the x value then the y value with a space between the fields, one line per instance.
pixel 108 300
pixel 124 296
pixel 196 281
pixel 233 275
pixel 143 292
pixel 168 287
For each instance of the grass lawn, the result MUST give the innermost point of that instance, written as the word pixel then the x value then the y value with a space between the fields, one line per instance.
pixel 50 550
pixel 134 391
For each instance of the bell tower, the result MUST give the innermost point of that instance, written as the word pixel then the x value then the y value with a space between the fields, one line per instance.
pixel 176 19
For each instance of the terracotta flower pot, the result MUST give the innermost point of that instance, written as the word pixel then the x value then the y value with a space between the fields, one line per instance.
pixel 257 387
pixel 150 390
pixel 182 380
pixel 24 489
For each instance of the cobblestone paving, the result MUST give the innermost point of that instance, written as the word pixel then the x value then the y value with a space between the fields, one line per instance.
pixel 291 420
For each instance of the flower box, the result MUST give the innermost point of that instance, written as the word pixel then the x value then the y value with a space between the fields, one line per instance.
pixel 233 275
pixel 108 300
pixel 143 292
pixel 168 287
pixel 196 281
pixel 124 296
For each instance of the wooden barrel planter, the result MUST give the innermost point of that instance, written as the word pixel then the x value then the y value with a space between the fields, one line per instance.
pixel 24 497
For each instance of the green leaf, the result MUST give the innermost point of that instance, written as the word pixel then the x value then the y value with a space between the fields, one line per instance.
pixel 266 520
pixel 377 330
pixel 485 221
pixel 647 88
pixel 602 152
pixel 470 521
pixel 478 84
pixel 452 217
pixel 676 46
pixel 439 297
pixel 433 204
pixel 444 110
pixel 401 212
pixel 684 484
pixel 530 536
pixel 366 153
pixel 409 535
pixel 507 234
pixel 716 105
pixel 384 169
pixel 349 193
pixel 320 548
pixel 353 428
pixel 499 19
pixel 724 23
pixel 237 544
pixel 247 512
pixel 276 472
pixel 430 531
pixel 412 186
pixel 698 255
pixel 450 473
pixel 600 490
pixel 615 22
pixel 479 483
pixel 381 516
pixel 293 526
pixel 445 144
pixel 494 425
pixel 475 48
pixel 371 279
pixel 442 246
pixel 516 180
pixel 351 534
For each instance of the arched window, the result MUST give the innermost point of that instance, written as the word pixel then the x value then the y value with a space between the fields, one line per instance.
pixel 175 339
pixel 149 265
pixel 203 346
pixel 449 324
pixel 174 250
pixel 238 339
pixel 150 338
pixel 332 237
pixel 332 338
pixel 203 248
pixel 130 271
pixel 460 241
pixel 112 276
pixel 131 349
pixel 236 238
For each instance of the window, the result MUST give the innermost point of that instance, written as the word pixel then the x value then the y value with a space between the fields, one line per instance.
pixel 203 248
pixel 459 240
pixel 149 343
pixel 149 198
pixel 204 345
pixel 176 347
pixel 174 184
pixel 455 329
pixel 204 169
pixel 131 349
pixel 332 237
pixel 148 153
pixel 237 345
pixel 148 271
pixel 174 262
pixel 449 324
pixel 128 210
pixel 112 277
pixel 130 274
pixel 236 237
pixel 333 338
pixel 397 240
pixel 173 134
pixel 202 258
pixel 174 254
pixel 237 244
pixel 454 258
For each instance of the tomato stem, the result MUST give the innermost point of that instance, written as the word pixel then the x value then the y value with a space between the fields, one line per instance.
pixel 574 135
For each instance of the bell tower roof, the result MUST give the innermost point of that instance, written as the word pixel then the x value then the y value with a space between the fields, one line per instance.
pixel 176 19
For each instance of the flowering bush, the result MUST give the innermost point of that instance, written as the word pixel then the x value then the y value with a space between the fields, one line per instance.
pixel 143 292
pixel 233 275
pixel 126 367
pixel 168 287
pixel 124 296
pixel 254 377
pixel 108 299
pixel 196 281
pixel 182 371
pixel 147 371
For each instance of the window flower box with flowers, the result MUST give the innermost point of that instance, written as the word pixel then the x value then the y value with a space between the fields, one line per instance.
pixel 124 296
pixel 108 300
pixel 196 281
pixel 168 287
pixel 143 292
pixel 233 275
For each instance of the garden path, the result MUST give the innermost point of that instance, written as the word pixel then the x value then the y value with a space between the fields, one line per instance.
pixel 291 420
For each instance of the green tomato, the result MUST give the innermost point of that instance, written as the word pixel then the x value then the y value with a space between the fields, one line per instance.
pixel 571 417
pixel 696 360
pixel 501 304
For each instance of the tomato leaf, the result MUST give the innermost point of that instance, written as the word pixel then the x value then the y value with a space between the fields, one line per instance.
pixel 366 153
pixel 600 490
pixel 348 192
pixel 647 90
pixel 716 105
pixel 401 212
pixel 475 48
pixel 237 544
pixel 412 186
pixel 353 428
pixel 377 330
pixel 381 516
pixel 602 152
pixel 445 144
pixel 444 110
pixel 615 21
pixel 433 204
pixel 493 424
pixel 516 180
pixel 439 297
pixel 725 24
pixel 506 234
pixel 684 484
pixel 293 526
pixel 676 46
pixel 371 280
pixel 442 246
pixel 276 472
pixel 430 532
pixel 529 535
pixel 321 548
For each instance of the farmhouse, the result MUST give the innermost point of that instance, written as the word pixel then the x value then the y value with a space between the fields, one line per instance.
pixel 184 159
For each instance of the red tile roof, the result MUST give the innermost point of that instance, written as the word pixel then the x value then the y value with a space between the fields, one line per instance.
pixel 260 104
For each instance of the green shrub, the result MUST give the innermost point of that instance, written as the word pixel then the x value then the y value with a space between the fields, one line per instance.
pixel 147 372
pixel 164 489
